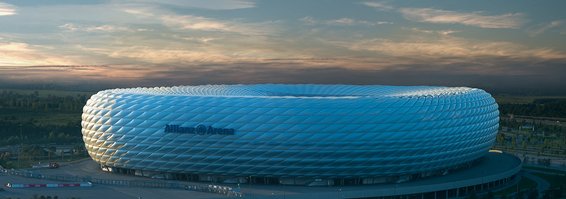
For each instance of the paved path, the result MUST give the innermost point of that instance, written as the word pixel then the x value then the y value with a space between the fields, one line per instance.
pixel 544 172
pixel 558 169
pixel 542 184
pixel 96 191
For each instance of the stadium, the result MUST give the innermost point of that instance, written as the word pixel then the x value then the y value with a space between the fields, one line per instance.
pixel 290 134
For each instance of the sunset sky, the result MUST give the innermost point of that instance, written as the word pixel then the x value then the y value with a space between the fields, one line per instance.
pixel 494 44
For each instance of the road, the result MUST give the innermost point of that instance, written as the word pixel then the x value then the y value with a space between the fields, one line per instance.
pixel 542 184
pixel 96 191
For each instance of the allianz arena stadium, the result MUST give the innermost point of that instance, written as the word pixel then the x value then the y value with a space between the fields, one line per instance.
pixel 289 134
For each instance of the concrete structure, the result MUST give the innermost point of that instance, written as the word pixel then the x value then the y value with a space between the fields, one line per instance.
pixel 290 134
pixel 492 172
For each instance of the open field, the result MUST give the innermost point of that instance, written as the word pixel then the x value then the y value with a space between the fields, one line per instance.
pixel 524 184
pixel 555 181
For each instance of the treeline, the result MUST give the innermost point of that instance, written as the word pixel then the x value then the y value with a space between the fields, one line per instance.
pixel 32 133
pixel 538 108
pixel 538 125
pixel 34 102
pixel 39 117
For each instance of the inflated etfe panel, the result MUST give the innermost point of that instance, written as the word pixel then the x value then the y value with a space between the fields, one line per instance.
pixel 281 130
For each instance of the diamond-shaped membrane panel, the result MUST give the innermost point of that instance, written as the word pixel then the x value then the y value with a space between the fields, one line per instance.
pixel 291 130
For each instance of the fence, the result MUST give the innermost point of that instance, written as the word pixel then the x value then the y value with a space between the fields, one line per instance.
pixel 225 190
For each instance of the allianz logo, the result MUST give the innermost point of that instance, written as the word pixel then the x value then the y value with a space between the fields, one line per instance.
pixel 198 130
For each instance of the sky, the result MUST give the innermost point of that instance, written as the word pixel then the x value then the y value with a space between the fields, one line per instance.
pixel 498 45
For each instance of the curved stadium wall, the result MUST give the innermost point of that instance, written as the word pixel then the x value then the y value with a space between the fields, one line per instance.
pixel 290 131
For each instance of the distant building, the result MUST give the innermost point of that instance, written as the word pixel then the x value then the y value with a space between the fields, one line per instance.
pixel 527 127
pixel 59 150
pixel 9 151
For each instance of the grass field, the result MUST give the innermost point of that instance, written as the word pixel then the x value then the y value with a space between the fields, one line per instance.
pixel 27 163
pixel 524 184
pixel 554 180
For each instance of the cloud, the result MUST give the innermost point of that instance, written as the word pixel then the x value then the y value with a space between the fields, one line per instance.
pixel 510 20
pixel 23 54
pixel 439 32
pixel 180 39
pixel 176 21
pixel 168 55
pixel 378 5
pixel 101 28
pixel 543 28
pixel 199 42
pixel 195 23
pixel 78 76
pixel 351 22
pixel 190 22
pixel 208 4
pixel 188 49
pixel 452 49
pixel 7 9
pixel 345 21
pixel 199 39
pixel 543 78
pixel 308 20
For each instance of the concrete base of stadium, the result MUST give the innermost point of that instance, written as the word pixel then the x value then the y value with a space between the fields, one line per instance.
pixel 300 181
pixel 495 170
pixel 492 171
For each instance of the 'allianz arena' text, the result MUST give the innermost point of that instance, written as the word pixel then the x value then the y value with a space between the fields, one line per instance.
pixel 289 134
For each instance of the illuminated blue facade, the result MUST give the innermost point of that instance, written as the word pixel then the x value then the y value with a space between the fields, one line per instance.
pixel 279 130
